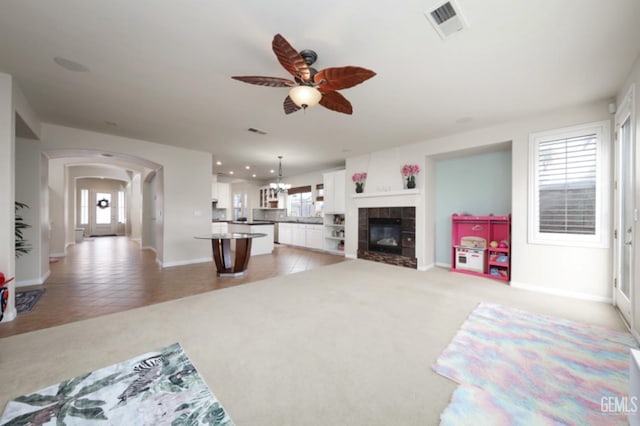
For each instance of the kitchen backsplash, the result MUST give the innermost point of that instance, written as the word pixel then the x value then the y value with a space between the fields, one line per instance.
pixel 269 214
pixel 218 214
pixel 280 215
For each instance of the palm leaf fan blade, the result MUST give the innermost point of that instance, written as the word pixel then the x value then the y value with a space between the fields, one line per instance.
pixel 265 81
pixel 290 59
pixel 290 106
pixel 336 102
pixel 339 78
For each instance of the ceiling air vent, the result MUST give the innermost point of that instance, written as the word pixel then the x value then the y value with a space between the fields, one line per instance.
pixel 447 19
pixel 258 131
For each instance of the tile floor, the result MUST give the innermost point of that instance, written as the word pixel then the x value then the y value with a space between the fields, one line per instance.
pixel 111 274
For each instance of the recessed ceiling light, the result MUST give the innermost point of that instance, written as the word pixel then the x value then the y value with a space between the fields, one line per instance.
pixel 231 172
pixel 272 171
pixel 70 65
pixel 218 163
pixel 253 175
pixel 247 167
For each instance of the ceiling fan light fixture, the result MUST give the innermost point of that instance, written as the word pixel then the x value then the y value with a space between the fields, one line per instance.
pixel 305 96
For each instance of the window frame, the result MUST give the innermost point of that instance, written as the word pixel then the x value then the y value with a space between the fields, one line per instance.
pixel 601 237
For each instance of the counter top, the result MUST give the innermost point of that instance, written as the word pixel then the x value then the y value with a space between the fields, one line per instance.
pixel 231 236
pixel 302 222
pixel 235 222
pixel 267 222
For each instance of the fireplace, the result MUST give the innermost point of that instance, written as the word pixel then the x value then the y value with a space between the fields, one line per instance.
pixel 388 235
pixel 385 235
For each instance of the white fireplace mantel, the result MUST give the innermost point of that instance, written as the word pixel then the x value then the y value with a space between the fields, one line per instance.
pixel 404 198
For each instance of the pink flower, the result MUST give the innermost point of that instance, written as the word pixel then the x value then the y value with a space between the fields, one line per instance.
pixel 410 170
pixel 359 177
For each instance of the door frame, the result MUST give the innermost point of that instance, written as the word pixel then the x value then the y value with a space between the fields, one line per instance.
pixel 93 225
pixel 625 304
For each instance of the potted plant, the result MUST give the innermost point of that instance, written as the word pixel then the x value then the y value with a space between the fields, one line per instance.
pixel 22 246
pixel 359 179
pixel 409 171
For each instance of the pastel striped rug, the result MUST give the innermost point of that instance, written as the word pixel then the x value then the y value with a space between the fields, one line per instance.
pixel 520 368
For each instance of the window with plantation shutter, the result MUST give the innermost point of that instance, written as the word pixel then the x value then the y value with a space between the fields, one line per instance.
pixel 569 186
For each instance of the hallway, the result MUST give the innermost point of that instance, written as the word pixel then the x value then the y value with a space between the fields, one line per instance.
pixel 111 274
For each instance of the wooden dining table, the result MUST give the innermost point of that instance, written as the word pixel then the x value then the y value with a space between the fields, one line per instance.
pixel 227 264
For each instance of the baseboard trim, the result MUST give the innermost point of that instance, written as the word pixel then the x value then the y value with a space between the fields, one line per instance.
pixel 350 256
pixel 36 281
pixel 426 267
pixel 186 262
pixel 149 248
pixel 58 255
pixel 563 293
pixel 443 265
pixel 9 315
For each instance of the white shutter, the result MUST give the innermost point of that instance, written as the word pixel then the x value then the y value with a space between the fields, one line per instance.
pixel 567 173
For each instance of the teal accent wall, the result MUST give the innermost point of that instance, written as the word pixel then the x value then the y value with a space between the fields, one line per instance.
pixel 478 185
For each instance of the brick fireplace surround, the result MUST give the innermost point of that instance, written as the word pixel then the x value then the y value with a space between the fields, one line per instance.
pixel 408 223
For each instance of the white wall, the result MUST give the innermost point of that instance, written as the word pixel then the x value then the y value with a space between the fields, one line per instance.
pixel 580 272
pixel 12 104
pixel 57 241
pixel 7 188
pixel 31 268
pixel 186 182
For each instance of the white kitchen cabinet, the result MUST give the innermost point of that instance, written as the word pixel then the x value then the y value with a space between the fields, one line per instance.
pixel 219 227
pixel 334 191
pixel 313 237
pixel 298 235
pixel 259 245
pixel 301 235
pixel 224 195
pixel 285 233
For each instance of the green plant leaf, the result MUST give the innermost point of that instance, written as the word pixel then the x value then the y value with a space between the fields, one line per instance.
pixel 95 413
pixel 88 403
pixel 37 399
pixel 99 384
pixel 67 386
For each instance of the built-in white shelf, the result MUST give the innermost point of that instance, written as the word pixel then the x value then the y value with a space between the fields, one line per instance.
pixel 414 191
pixel 402 198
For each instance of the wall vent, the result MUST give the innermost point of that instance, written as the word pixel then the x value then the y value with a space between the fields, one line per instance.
pixel 258 131
pixel 447 19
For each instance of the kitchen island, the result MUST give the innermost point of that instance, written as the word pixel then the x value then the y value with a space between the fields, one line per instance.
pixel 260 245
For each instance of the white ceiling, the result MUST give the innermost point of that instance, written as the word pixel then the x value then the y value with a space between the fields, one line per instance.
pixel 161 69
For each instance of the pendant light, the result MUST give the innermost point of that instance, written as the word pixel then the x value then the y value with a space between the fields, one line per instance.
pixel 278 186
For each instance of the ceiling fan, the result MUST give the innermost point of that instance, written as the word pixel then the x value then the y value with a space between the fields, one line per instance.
pixel 310 86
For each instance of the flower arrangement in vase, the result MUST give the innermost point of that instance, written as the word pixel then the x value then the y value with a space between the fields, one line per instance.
pixel 409 171
pixel 359 179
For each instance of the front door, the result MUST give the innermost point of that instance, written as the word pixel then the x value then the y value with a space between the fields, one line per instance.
pixel 103 219
pixel 625 210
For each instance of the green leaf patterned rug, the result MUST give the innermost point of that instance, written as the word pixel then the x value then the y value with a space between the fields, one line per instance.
pixel 156 388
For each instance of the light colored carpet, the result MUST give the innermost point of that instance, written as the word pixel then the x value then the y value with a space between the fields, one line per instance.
pixel 351 343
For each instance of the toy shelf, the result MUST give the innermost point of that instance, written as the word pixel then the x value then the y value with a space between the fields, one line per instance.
pixel 496 261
